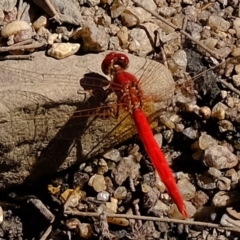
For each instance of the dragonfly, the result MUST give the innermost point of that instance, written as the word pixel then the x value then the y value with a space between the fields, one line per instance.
pixel 129 93
pixel 58 129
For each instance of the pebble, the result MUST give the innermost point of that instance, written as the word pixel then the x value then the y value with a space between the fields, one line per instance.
pixel 149 4
pixel 180 58
pixel 126 168
pixel 103 196
pixel 97 182
pixel 224 199
pixel 159 208
pixel 225 125
pixel 219 157
pixel 218 23
pixel 122 35
pixel 120 193
pixel 118 7
pixel 129 19
pixel 200 199
pixel 224 183
pixel 205 112
pixel 102 166
pixel 145 187
pixel 40 22
pixel 191 133
pixel 1 215
pixel 236 52
pixel 95 38
pixel 113 155
pixel 140 43
pixel 63 50
pixel 23 35
pixel 14 27
pixel 186 188
pixel 236 26
pixel 228 221
pixel 85 230
pixel 214 172
pixel 206 182
pixel 167 11
pixel 210 42
pixel 237 68
pixel 219 110
pixel 236 80
pixel 113 205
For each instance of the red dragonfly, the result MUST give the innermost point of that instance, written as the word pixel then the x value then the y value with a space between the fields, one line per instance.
pixel 46 117
pixel 130 96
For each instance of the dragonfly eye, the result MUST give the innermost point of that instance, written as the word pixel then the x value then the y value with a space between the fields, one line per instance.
pixel 114 62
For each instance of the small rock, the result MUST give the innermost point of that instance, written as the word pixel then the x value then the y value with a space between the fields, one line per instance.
pixel 95 38
pixel 122 35
pixel 40 22
pixel 224 183
pixel 85 230
pixel 120 193
pixel 1 215
pixel 167 11
pixel 137 14
pixel 186 189
pixel 126 168
pixel 23 35
pixel 237 68
pixel 14 27
pixel 140 43
pixel 102 166
pixel 145 187
pixel 80 179
pixel 113 155
pixel 224 199
pixel 210 42
pixel 206 182
pixel 218 23
pixel 113 205
pixel 236 52
pixel 150 198
pixel 205 112
pixel 204 142
pixel 236 80
pixel 236 26
pixel 225 125
pixel 97 182
pixel 191 133
pixel 103 196
pixel 149 4
pixel 220 157
pixel 129 19
pixel 230 102
pixel 219 111
pixel 200 199
pixel 191 12
pixel 228 221
pixel 180 58
pixel 63 50
pixel 214 172
pixel 159 208
pixel 118 7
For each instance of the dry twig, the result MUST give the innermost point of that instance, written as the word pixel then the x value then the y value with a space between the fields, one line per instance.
pixel 156 219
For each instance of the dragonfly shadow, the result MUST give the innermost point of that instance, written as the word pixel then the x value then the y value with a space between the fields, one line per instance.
pixel 57 153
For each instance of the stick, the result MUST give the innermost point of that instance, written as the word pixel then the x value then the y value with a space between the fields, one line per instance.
pixel 156 219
